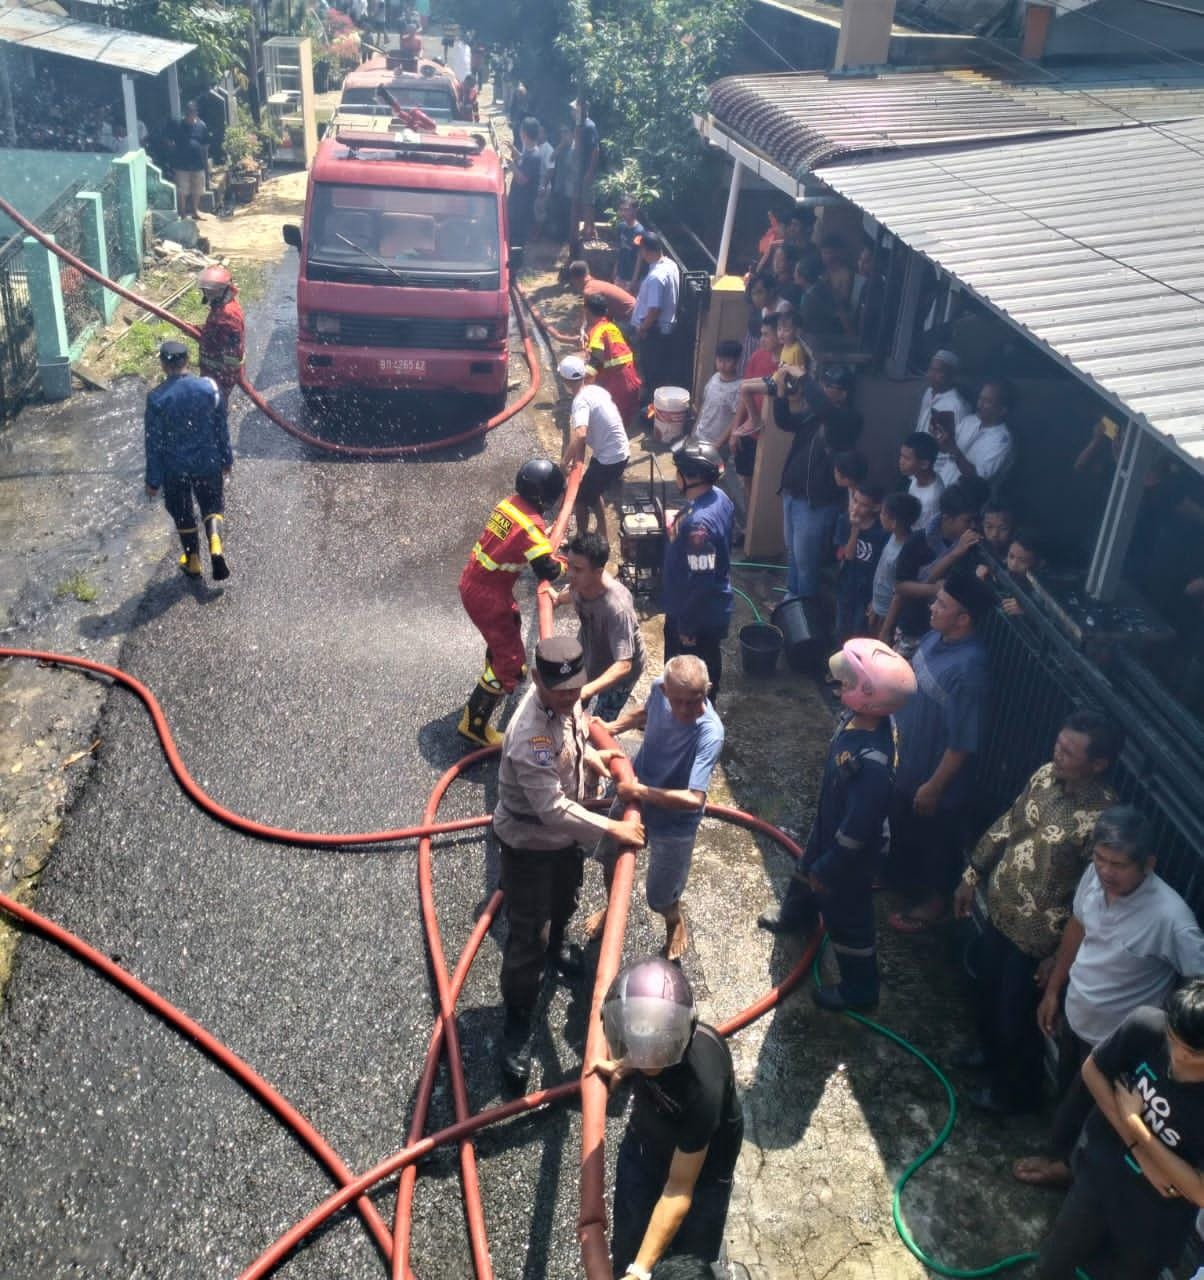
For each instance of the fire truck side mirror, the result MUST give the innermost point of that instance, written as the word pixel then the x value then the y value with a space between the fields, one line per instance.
pixel 292 234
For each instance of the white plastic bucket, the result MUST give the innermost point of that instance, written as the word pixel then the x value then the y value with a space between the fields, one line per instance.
pixel 670 405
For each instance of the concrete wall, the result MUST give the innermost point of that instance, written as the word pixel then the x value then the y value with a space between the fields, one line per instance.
pixel 32 180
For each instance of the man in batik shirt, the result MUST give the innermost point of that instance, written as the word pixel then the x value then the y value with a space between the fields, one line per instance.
pixel 1031 861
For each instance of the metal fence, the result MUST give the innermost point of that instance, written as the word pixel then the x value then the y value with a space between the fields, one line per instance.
pixel 1037 678
pixel 120 253
pixel 64 221
pixel 18 343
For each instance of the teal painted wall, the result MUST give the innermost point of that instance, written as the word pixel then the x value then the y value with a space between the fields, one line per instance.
pixel 32 180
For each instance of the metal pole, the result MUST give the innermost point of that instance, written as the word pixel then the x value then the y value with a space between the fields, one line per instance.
pixel 173 91
pixel 1137 451
pixel 909 301
pixel 729 218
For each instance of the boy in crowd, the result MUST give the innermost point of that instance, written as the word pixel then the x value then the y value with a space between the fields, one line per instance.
pixel 859 539
pixel 746 426
pixel 849 469
pixel 917 460
pixel 720 396
pixel 998 525
pixel 899 514
pixel 596 424
pixel 793 353
pixel 1024 554
pixel 610 631
pixel 948 538
pixel 630 229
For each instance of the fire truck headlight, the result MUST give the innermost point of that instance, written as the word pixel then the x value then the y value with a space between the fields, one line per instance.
pixel 477 333
pixel 326 326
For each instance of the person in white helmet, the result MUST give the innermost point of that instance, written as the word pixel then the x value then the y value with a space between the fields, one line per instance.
pixel 835 875
pixel 596 424
pixel 673 1175
pixel 223 341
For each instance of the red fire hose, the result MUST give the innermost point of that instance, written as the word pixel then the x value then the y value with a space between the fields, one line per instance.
pixel 395 1245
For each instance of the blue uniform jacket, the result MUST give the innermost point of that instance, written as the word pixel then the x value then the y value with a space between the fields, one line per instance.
pixel 697 585
pixel 853 801
pixel 187 433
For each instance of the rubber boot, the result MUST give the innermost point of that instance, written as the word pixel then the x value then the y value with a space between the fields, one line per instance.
pixel 190 559
pixel 217 560
pixel 797 913
pixel 474 723
pixel 858 985
pixel 516 1047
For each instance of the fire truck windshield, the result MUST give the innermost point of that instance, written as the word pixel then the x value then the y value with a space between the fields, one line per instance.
pixel 437 100
pixel 421 233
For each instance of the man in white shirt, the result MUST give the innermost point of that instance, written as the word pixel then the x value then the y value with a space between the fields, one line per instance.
pixel 940 395
pixel 594 423
pixel 655 313
pixel 981 444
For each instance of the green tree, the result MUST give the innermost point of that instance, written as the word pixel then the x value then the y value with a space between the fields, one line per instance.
pixel 645 66
pixel 221 46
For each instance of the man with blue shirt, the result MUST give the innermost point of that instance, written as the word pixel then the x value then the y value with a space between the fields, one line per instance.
pixel 696 586
pixel 683 738
pixel 940 732
pixel 655 314
pixel 187 456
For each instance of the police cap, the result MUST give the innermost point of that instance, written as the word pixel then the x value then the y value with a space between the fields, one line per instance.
pixel 173 352
pixel 560 662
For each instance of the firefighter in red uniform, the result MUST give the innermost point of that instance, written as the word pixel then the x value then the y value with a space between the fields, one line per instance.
pixel 223 341
pixel 514 536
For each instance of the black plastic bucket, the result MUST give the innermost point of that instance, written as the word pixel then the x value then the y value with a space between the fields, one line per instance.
pixel 804 639
pixel 760 645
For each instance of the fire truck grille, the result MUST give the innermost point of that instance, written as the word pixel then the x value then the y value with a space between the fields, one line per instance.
pixel 390 331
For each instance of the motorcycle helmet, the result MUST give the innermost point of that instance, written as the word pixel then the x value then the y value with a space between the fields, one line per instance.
pixel 649 1015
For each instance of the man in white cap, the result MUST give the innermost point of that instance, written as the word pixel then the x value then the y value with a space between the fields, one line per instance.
pixel 941 397
pixel 594 423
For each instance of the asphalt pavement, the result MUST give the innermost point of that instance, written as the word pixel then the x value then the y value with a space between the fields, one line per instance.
pixel 319 689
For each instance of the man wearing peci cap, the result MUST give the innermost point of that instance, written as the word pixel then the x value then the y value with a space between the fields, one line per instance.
pixel 546 773
pixel 187 456
pixel 941 395
pixel 596 424
pixel 655 314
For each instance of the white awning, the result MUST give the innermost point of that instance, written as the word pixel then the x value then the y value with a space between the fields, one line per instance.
pixel 90 42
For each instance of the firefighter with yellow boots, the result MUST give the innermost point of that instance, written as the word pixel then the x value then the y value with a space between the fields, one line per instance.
pixel 514 536
pixel 187 456
pixel 223 336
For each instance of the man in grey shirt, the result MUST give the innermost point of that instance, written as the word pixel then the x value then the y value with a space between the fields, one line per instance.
pixel 1130 939
pixel 610 631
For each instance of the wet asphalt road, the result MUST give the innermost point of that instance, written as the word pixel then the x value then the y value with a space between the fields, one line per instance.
pixel 318 690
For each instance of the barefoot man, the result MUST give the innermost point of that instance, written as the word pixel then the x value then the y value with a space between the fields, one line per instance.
pixel 683 737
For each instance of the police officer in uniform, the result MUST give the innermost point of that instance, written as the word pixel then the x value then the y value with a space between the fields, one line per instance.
pixel 187 455
pixel 223 335
pixel 835 875
pixel 546 772
pixel 673 1176
pixel 514 536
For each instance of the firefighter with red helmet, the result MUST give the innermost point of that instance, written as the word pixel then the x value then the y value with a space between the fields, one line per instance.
pixel 514 536
pixel 223 335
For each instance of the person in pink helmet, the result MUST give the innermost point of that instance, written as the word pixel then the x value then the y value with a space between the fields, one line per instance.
pixel 835 875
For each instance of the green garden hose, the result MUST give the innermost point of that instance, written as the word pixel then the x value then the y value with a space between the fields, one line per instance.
pixel 750 602
pixel 896 1207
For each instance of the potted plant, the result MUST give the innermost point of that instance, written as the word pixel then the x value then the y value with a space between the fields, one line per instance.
pixel 242 160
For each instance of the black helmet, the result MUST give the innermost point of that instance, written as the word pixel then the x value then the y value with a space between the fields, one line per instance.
pixel 697 460
pixel 539 482
pixel 649 1015
pixel 838 375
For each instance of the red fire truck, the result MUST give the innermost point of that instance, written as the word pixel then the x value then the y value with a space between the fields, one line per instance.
pixel 403 281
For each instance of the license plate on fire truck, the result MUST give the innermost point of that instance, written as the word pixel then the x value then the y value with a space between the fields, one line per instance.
pixel 413 368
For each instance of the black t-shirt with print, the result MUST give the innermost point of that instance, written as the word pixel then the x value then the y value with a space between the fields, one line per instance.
pixel 691 1106
pixel 1136 1055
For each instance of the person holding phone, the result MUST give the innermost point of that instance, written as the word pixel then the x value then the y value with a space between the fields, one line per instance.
pixel 980 444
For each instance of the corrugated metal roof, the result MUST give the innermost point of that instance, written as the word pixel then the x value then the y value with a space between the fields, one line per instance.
pixel 802 120
pixel 89 42
pixel 1093 245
